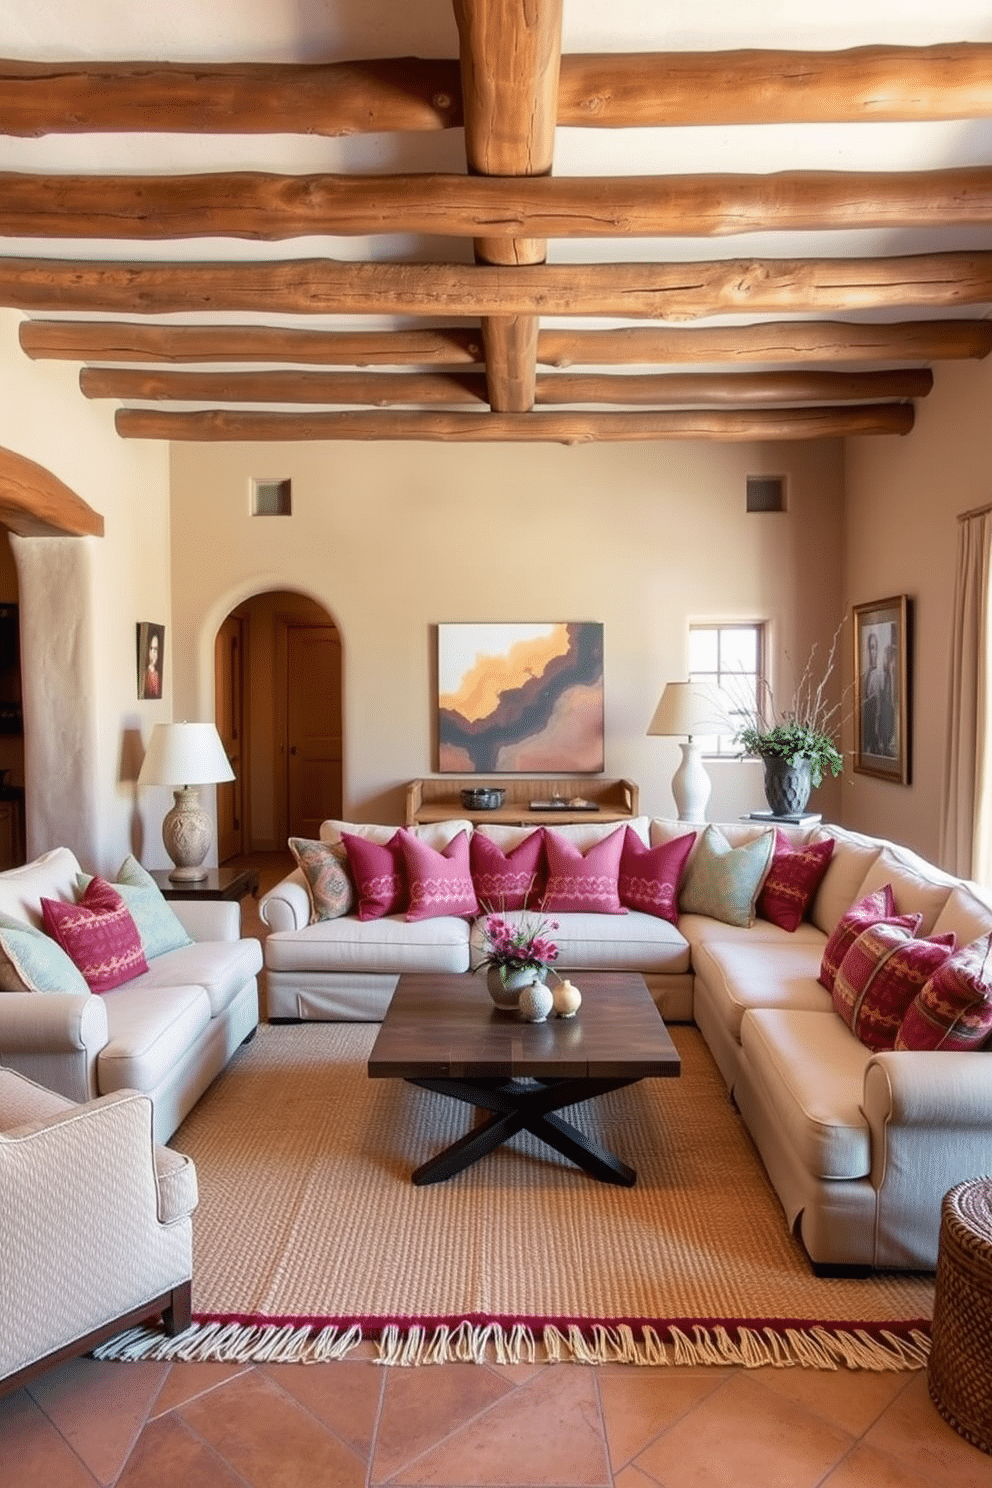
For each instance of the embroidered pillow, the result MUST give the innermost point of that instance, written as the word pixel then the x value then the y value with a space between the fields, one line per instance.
pixel 98 934
pixel 31 961
pixel 378 874
pixel 793 880
pixel 583 883
pixel 874 907
pixel 332 893
pixel 159 928
pixel 723 881
pixel 440 883
pixel 880 975
pixel 954 1009
pixel 649 876
pixel 505 881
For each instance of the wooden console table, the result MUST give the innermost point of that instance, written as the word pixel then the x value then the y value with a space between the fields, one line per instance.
pixel 439 799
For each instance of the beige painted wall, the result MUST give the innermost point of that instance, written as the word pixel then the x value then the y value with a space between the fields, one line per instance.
pixel 903 499
pixel 78 621
pixel 393 538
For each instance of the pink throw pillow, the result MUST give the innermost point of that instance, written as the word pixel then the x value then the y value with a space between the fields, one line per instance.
pixel 583 883
pixel 954 1009
pixel 440 883
pixel 874 907
pixel 378 871
pixel 879 977
pixel 792 881
pixel 98 935
pixel 505 881
pixel 649 876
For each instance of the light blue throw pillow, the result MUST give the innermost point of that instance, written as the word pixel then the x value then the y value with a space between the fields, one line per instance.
pixel 723 881
pixel 158 926
pixel 31 961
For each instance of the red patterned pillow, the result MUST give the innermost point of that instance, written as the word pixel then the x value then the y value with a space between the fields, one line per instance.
pixel 954 1009
pixel 505 881
pixel 98 934
pixel 879 905
pixel 583 883
pixel 882 972
pixel 792 881
pixel 378 872
pixel 440 883
pixel 649 876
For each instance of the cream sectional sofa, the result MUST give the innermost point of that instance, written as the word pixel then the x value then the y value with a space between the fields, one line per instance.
pixel 860 1146
pixel 167 1032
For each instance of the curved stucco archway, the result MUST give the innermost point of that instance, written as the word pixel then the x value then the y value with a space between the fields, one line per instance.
pixel 55 581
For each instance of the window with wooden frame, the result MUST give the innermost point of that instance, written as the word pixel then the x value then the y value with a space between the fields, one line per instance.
pixel 731 659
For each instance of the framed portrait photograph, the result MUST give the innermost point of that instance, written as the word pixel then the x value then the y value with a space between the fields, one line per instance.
pixel 151 659
pixel 882 673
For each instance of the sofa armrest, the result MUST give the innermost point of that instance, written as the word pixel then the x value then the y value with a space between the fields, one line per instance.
pixel 929 1088
pixel 54 1038
pixel 287 905
pixel 208 919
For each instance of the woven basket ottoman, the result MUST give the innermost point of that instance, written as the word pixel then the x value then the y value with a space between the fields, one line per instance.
pixel 959 1372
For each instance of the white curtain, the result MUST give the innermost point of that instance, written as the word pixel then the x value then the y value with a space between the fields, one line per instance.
pixel 966 827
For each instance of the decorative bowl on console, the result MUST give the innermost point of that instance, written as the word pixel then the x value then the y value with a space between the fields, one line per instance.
pixel 483 797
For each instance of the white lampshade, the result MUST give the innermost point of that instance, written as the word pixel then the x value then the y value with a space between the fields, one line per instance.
pixel 184 754
pixel 687 708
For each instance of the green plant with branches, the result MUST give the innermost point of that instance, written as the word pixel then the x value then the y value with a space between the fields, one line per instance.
pixel 805 731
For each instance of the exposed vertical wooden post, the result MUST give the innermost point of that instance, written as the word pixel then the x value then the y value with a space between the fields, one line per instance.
pixel 510 52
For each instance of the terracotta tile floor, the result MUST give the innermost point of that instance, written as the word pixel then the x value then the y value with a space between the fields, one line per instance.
pixel 356 1423
pixel 459 1425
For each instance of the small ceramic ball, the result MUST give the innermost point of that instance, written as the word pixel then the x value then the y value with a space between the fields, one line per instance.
pixel 535 1003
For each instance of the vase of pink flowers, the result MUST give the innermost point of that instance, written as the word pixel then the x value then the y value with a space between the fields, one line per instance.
pixel 516 956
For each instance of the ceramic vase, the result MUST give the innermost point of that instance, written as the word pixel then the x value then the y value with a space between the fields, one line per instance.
pixel 787 787
pixel 567 999
pixel 535 1002
pixel 506 984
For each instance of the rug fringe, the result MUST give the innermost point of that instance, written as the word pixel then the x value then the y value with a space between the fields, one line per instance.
pixel 480 1343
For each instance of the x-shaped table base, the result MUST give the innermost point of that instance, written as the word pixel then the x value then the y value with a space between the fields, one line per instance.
pixel 525 1106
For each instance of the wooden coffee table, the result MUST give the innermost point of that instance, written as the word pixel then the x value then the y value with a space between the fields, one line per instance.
pixel 442 1032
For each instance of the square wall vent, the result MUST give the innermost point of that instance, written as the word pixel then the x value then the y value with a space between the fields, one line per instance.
pixel 766 493
pixel 271 498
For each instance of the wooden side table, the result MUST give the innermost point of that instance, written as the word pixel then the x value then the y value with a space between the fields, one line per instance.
pixel 220 883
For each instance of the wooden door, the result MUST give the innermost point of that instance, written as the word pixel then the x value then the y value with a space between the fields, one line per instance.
pixel 313 727
pixel 229 712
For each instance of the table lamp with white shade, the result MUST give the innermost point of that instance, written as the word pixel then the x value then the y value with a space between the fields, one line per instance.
pixel 185 756
pixel 687 709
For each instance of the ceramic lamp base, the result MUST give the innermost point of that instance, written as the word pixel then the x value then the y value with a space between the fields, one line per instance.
pixel 186 831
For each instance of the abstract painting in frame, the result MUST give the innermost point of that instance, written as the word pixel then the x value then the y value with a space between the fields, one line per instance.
pixel 520 698
pixel 881 689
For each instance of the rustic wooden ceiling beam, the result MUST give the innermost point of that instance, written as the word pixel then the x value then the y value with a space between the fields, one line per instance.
pixel 655 291
pixel 125 341
pixel 35 503
pixel 217 425
pixel 769 341
pixel 453 346
pixel 610 90
pixel 388 389
pixel 270 208
pixel 509 53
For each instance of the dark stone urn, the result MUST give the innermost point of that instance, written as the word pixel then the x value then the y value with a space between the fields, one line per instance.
pixel 787 787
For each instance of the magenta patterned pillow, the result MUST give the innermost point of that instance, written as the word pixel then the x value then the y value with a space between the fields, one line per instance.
pixel 378 872
pixel 793 880
pixel 583 883
pixel 440 883
pixel 879 905
pixel 505 881
pixel 879 977
pixel 954 1009
pixel 324 866
pixel 98 934
pixel 649 876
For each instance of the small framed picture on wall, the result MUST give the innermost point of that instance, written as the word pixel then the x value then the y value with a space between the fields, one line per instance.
pixel 882 673
pixel 151 659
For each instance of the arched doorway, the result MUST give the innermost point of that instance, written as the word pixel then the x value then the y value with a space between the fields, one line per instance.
pixel 278 707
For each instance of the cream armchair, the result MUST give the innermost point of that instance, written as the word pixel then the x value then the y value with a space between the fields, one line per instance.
pixel 95 1227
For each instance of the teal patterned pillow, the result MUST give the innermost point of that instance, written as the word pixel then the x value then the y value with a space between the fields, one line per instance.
pixel 31 961
pixel 332 893
pixel 158 927
pixel 723 881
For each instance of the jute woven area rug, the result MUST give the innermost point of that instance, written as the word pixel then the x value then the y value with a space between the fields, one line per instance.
pixel 310 1236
